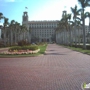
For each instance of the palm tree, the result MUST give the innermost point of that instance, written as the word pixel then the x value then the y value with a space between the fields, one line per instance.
pixel 1 16
pixel 64 20
pixel 23 30
pixel 5 24
pixel 69 18
pixel 78 24
pixel 60 33
pixel 17 31
pixel 11 26
pixel 75 12
pixel 88 15
pixel 84 4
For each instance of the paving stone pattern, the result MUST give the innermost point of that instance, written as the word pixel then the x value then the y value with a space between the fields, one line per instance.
pixel 59 69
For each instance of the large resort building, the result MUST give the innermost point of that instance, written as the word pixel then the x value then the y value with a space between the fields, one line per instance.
pixel 40 30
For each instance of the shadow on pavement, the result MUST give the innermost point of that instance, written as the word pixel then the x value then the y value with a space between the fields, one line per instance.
pixel 53 54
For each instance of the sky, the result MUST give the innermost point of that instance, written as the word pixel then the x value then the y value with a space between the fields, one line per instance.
pixel 37 9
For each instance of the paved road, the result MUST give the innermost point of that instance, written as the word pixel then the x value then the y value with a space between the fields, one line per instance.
pixel 59 69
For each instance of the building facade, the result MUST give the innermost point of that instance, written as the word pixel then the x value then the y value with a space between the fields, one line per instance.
pixel 41 31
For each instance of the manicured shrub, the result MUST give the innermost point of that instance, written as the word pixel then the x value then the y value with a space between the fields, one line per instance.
pixel 88 47
pixel 34 47
pixel 15 48
pixel 23 42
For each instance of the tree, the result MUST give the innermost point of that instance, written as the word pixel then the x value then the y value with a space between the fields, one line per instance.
pixel 84 4
pixel 88 15
pixel 1 16
pixel 69 18
pixel 75 12
pixel 16 31
pixel 23 30
pixel 78 24
pixel 11 26
pixel 5 24
pixel 65 23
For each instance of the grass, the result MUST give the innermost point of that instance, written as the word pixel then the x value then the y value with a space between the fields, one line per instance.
pixel 79 50
pixel 42 51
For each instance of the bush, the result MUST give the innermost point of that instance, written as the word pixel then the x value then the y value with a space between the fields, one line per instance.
pixel 2 44
pixel 77 46
pixel 22 43
pixel 15 48
pixel 81 46
pixel 33 47
pixel 23 48
pixel 88 47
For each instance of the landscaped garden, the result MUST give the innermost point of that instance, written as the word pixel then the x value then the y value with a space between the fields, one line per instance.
pixel 25 50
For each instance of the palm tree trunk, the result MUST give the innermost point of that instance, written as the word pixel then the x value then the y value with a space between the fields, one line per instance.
pixel 11 37
pixel 4 36
pixel 75 29
pixel 70 36
pixel 84 37
pixel 89 24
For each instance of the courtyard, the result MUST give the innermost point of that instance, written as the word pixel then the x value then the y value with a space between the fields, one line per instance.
pixel 58 69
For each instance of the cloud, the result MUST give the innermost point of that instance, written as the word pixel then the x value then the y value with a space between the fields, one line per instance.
pixel 9 0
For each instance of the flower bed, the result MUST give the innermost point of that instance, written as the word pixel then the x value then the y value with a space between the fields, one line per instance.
pixel 19 52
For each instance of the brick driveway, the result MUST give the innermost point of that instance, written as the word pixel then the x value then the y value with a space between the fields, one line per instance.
pixel 59 69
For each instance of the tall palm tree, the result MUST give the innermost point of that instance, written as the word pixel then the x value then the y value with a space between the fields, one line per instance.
pixel 88 15
pixel 1 16
pixel 65 22
pixel 84 4
pixel 78 24
pixel 23 30
pixel 69 18
pixel 11 26
pixel 75 12
pixel 5 24
pixel 17 29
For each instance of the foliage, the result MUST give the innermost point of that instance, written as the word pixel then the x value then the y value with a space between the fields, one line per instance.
pixel 1 44
pixel 23 43
pixel 32 47
pixel 15 48
pixel 81 46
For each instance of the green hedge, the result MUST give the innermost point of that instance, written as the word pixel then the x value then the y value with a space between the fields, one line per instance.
pixel 81 46
pixel 23 48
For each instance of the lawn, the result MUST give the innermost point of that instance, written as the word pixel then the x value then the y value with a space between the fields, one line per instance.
pixel 79 50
